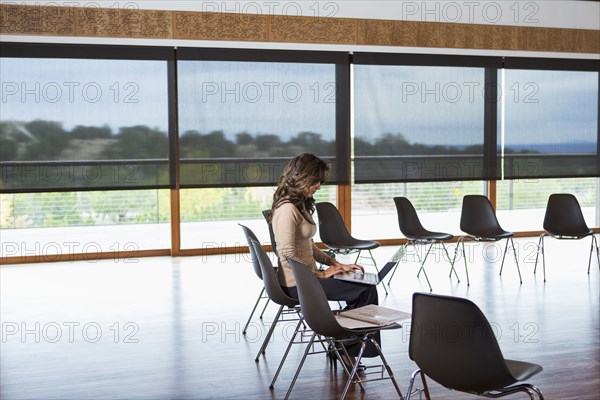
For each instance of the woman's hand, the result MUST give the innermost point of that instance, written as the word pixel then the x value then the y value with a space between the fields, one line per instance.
pixel 330 271
pixel 337 268
pixel 353 268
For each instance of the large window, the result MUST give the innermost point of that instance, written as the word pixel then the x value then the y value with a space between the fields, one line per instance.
pixel 521 203
pixel 210 216
pixel 52 224
pixel 415 120
pixel 243 115
pixel 438 205
pixel 70 122
pixel 97 142
pixel 549 123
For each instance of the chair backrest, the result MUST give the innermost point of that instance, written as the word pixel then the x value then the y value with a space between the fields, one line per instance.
pixel 408 220
pixel 314 303
pixel 564 216
pixel 452 342
pixel 267 215
pixel 477 217
pixel 272 286
pixel 249 237
pixel 332 229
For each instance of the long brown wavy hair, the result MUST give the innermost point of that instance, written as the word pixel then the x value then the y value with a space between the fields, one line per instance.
pixel 301 172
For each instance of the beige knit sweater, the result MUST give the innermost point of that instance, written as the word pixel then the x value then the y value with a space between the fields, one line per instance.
pixel 294 238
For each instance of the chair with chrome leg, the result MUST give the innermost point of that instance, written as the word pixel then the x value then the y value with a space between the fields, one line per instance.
pixel 287 305
pixel 320 318
pixel 564 220
pixel 289 309
pixel 452 342
pixel 261 296
pixel 335 236
pixel 416 234
pixel 478 220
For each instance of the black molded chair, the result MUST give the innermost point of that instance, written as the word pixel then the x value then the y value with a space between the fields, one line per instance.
pixel 287 305
pixel 267 215
pixel 451 342
pixel 320 318
pixel 564 220
pixel 336 237
pixel 478 220
pixel 261 296
pixel 416 234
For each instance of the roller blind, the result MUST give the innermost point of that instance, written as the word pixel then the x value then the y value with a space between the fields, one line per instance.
pixel 422 118
pixel 243 115
pixel 82 118
pixel 549 127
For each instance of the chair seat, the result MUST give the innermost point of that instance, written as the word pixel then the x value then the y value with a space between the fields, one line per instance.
pixel 491 235
pixel 570 235
pixel 521 370
pixel 428 236
pixel 355 244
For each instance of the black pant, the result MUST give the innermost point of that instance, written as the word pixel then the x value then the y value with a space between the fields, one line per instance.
pixel 355 295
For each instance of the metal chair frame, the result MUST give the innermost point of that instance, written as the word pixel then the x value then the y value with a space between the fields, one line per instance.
pixel 261 296
pixel 288 310
pixel 470 363
pixel 461 242
pixel 491 231
pixel 527 388
pixel 416 234
pixel 346 249
pixel 431 243
pixel 540 249
pixel 313 299
pixel 564 221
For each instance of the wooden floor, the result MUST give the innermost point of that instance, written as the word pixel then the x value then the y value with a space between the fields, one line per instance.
pixel 170 328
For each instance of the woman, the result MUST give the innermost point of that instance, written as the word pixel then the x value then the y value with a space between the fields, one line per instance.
pixel 294 228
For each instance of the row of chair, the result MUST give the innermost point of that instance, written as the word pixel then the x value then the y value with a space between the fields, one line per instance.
pixel 563 220
pixel 472 364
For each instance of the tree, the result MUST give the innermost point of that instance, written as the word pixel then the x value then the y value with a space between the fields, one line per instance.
pixel 138 142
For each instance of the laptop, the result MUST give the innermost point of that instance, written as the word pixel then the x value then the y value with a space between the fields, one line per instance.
pixel 370 278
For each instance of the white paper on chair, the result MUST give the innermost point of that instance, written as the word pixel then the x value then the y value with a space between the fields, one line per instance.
pixel 370 316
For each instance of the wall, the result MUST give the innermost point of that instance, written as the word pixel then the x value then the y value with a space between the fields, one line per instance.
pixel 527 28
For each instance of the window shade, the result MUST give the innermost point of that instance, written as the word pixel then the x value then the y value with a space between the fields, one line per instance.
pixel 550 120
pixel 242 116
pixel 82 118
pixel 419 122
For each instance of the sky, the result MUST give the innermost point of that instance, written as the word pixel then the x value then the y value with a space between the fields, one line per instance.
pixel 430 105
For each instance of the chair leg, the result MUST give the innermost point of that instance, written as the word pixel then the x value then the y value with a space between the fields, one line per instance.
pixel 377 269
pixel 525 387
pixel 451 263
pixel 387 367
pixel 541 250
pixel 410 384
pixel 412 380
pixel 346 370
pixel 269 334
pixel 461 241
pixel 594 242
pixel 306 351
pixel 264 308
pixel 287 350
pixel 354 369
pixel 537 391
pixel 516 258
pixel 423 266
pixel 503 256
pixel 260 296
pixel 396 267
